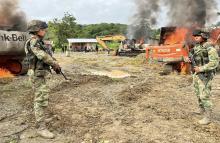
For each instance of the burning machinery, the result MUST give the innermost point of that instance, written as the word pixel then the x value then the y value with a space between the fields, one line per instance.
pixel 174 46
pixel 130 47
pixel 12 52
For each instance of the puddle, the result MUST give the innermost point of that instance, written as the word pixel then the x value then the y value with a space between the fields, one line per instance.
pixel 111 74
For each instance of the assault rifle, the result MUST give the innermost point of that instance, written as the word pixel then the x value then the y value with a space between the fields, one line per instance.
pixel 60 71
pixel 193 65
pixel 50 53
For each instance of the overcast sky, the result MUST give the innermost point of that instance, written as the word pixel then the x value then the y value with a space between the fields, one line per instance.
pixel 85 11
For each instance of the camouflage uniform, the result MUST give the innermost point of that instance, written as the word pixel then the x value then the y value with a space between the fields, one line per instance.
pixel 40 62
pixel 207 60
pixel 206 57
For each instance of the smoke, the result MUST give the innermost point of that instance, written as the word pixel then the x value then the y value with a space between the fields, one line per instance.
pixel 11 16
pixel 187 13
pixel 145 16
pixel 191 12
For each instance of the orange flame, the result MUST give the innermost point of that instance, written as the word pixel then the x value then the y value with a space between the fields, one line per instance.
pixel 140 41
pixel 215 35
pixel 4 73
pixel 176 37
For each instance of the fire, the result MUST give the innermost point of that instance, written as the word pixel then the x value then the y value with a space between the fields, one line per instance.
pixel 4 73
pixel 140 41
pixel 215 35
pixel 176 37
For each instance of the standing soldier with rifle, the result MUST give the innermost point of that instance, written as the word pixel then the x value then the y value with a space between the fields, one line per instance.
pixel 204 59
pixel 40 62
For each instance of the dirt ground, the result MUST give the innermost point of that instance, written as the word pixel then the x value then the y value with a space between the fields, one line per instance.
pixel 109 100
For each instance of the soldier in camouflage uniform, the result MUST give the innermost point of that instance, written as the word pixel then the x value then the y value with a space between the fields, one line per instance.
pixel 207 60
pixel 39 67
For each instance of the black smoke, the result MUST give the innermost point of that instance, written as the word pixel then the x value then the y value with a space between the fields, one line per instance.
pixel 191 12
pixel 145 16
pixel 186 13
pixel 11 16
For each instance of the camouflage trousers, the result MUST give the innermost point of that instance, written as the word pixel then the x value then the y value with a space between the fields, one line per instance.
pixel 203 91
pixel 41 96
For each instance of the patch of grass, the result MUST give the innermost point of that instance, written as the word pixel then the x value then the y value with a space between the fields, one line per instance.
pixel 137 61
pixel 13 141
pixel 117 79
pixel 113 45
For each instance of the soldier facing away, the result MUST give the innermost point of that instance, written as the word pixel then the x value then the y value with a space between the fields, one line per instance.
pixel 207 60
pixel 40 62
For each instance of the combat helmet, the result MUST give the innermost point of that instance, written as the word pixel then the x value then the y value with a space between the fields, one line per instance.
pixel 36 25
pixel 199 32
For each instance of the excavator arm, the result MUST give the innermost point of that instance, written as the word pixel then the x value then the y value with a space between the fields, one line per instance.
pixel 101 39
pixel 102 43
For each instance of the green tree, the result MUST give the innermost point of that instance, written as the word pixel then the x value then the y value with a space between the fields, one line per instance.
pixel 61 30
pixel 102 29
pixel 155 34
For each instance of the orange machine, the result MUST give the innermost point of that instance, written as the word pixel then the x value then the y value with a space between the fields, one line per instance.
pixel 174 47
pixel 171 49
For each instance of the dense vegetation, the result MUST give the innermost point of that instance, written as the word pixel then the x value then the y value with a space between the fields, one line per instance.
pixel 67 27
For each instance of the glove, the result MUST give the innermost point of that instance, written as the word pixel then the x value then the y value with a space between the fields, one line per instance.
pixel 57 68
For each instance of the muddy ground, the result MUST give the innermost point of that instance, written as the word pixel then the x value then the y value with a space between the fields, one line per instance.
pixel 109 100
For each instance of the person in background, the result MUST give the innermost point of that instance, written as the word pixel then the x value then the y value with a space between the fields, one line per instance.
pixel 96 48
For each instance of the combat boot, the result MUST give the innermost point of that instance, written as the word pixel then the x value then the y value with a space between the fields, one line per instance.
pixel 201 111
pixel 206 119
pixel 44 132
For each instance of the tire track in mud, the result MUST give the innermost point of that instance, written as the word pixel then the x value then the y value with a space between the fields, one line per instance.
pixel 79 101
pixel 145 108
pixel 97 96
pixel 99 108
pixel 12 113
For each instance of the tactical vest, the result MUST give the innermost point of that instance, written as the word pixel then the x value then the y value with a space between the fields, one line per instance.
pixel 200 55
pixel 34 63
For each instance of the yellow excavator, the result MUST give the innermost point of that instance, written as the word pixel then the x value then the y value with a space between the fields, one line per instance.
pixel 102 39
pixel 128 47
